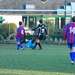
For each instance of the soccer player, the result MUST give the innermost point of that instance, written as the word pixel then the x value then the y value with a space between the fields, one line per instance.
pixel 30 43
pixel 41 28
pixel 69 35
pixel 20 34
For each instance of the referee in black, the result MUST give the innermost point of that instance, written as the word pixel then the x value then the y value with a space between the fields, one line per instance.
pixel 41 28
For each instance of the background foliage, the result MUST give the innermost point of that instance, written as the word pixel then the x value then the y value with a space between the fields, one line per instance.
pixel 5 31
pixel 50 25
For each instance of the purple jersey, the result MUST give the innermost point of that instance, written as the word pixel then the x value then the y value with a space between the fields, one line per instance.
pixel 69 32
pixel 20 32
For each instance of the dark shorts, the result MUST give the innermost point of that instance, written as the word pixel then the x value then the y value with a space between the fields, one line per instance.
pixel 40 37
pixel 70 45
pixel 22 40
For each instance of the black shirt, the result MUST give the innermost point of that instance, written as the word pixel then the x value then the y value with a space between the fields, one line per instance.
pixel 41 29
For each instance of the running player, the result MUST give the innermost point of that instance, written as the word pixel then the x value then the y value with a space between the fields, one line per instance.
pixel 41 28
pixel 20 35
pixel 69 35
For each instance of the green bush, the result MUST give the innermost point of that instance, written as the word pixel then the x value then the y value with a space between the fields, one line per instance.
pixel 7 28
pixel 1 37
pixel 50 25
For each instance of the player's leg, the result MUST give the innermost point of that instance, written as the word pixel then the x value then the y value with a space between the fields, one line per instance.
pixel 17 40
pixel 72 57
pixel 35 45
pixel 22 40
pixel 18 44
pixel 39 44
pixel 72 52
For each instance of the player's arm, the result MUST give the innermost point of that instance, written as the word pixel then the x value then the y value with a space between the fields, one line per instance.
pixel 35 28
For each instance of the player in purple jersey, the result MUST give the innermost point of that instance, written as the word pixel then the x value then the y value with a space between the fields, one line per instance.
pixel 69 35
pixel 20 34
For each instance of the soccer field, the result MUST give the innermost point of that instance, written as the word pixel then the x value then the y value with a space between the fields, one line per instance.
pixel 52 60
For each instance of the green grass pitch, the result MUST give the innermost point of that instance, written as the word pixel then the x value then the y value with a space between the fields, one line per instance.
pixel 52 60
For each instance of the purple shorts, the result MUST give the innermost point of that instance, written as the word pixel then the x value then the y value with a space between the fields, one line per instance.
pixel 18 40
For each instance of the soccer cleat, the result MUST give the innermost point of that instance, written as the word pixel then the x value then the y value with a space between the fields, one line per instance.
pixel 17 48
pixel 72 62
pixel 33 48
pixel 40 48
pixel 22 48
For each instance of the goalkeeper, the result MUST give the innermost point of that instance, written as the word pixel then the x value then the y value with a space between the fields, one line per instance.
pixel 30 43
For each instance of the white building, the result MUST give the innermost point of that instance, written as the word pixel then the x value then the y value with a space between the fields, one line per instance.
pixel 12 18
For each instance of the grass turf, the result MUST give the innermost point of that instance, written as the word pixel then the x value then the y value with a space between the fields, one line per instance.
pixel 52 60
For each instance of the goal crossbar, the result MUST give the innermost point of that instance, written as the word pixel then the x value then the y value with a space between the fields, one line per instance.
pixel 20 10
